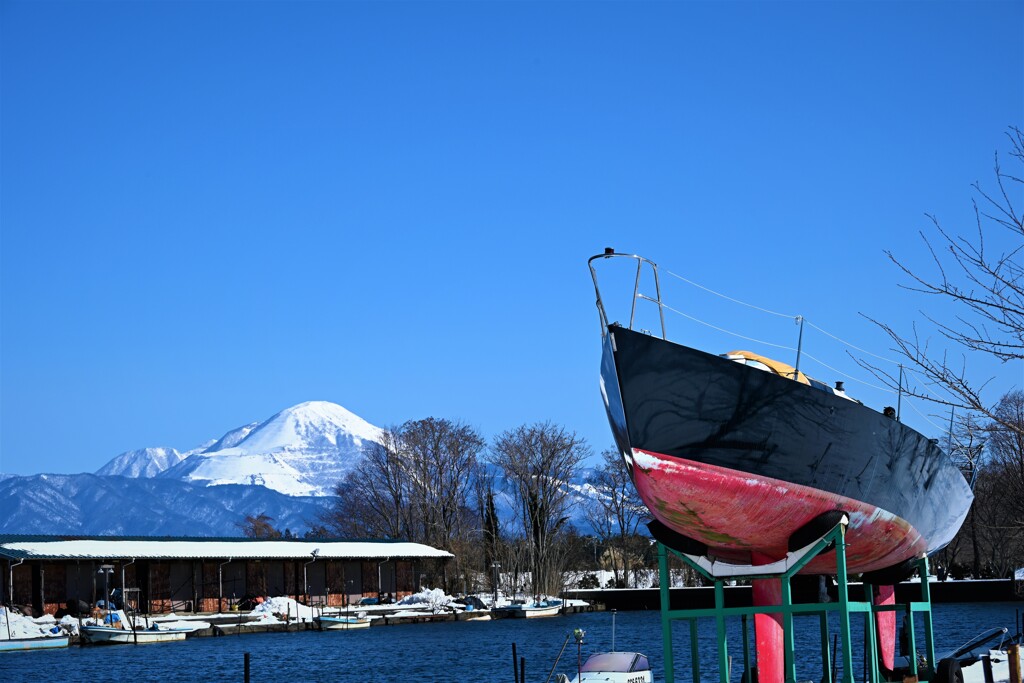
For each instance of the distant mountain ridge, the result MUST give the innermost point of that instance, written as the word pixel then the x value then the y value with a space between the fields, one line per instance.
pixel 285 467
pixel 144 462
pixel 100 505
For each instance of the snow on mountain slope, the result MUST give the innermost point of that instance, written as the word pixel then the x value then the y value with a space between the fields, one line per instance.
pixel 301 451
pixel 230 439
pixel 265 469
pixel 310 426
pixel 144 462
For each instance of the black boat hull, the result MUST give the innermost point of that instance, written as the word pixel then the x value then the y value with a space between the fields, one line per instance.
pixel 739 458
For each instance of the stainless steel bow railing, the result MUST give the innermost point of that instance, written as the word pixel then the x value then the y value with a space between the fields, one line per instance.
pixel 610 253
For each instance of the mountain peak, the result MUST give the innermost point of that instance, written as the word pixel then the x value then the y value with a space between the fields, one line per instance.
pixel 302 450
pixel 144 462
pixel 313 425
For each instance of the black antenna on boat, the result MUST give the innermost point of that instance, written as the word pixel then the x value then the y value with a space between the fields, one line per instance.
pixel 552 672
pixel 899 396
pixel 799 347
pixel 613 630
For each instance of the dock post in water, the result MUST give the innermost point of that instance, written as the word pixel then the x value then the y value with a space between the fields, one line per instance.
pixel 1013 654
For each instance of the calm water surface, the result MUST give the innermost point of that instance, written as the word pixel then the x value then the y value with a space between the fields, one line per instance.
pixel 457 651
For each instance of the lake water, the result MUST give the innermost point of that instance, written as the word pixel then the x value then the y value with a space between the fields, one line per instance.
pixel 450 651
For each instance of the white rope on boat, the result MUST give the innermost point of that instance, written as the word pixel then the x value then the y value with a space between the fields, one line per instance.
pixel 825 332
pixel 942 430
pixel 729 298
pixel 734 334
pixel 852 346
pixel 849 377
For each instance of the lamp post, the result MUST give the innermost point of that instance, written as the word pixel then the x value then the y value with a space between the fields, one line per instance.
pixel 495 566
pixel 106 570
pixel 579 634
pixel 613 630
pixel 305 581
pixel 220 584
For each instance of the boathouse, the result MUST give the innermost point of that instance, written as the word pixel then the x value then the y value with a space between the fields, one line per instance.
pixel 158 575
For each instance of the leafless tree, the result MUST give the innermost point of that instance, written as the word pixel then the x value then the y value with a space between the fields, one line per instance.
pixel 373 499
pixel 615 510
pixel 991 542
pixel 259 526
pixel 415 484
pixel 538 461
pixel 986 288
pixel 1006 451
pixel 441 456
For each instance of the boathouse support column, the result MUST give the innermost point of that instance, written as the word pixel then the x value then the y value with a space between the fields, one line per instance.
pixel 11 564
pixel 768 631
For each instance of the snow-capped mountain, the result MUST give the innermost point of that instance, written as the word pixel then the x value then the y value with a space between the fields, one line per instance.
pixel 285 467
pixel 301 451
pixel 144 462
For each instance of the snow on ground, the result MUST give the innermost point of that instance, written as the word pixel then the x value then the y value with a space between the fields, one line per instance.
pixel 20 626
pixel 433 599
pixel 69 624
pixel 275 608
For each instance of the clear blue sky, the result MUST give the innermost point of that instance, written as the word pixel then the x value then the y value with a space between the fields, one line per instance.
pixel 215 210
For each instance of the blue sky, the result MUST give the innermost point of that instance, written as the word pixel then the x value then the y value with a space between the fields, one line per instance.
pixel 215 210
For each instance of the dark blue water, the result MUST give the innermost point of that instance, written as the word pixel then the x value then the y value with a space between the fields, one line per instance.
pixel 456 651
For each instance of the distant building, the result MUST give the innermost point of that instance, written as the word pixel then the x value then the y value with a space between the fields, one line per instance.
pixel 206 574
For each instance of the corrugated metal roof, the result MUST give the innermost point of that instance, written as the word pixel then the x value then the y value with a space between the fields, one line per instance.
pixel 98 548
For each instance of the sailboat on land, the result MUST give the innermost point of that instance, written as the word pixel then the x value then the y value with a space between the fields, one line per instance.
pixel 743 459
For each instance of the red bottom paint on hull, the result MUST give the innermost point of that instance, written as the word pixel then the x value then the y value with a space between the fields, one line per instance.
pixel 736 513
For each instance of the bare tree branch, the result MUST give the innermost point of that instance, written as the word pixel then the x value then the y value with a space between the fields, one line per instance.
pixel 986 290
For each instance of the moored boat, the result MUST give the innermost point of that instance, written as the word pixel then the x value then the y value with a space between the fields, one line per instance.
pixel 34 643
pixel 967 663
pixel 529 610
pixel 735 454
pixel 343 623
pixel 111 635
pixel 612 667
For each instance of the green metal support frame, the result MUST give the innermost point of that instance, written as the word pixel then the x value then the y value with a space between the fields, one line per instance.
pixel 844 607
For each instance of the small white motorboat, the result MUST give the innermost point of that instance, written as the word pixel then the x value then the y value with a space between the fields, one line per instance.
pixel 343 623
pixel 612 667
pixel 112 635
pixel 966 663
pixel 34 643
pixel 538 608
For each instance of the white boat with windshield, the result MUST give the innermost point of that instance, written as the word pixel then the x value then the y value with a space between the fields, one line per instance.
pixel 612 667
